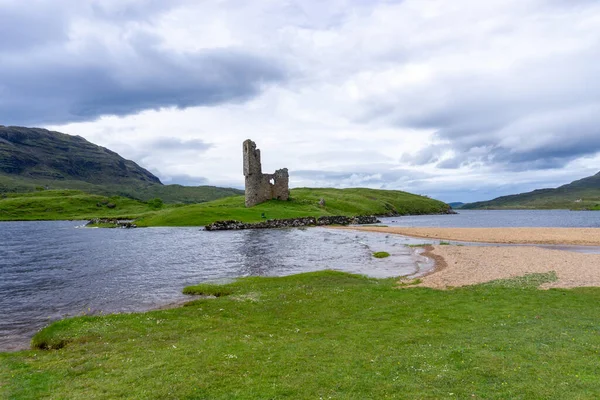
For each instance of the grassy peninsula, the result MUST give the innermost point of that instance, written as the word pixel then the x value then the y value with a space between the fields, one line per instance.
pixel 304 202
pixel 78 205
pixel 325 335
pixel 69 205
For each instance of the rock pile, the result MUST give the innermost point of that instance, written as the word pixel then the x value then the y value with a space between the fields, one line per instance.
pixel 292 223
pixel 118 223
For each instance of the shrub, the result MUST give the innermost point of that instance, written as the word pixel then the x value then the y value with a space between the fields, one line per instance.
pixel 381 254
pixel 155 203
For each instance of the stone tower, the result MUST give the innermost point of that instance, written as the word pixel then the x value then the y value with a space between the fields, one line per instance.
pixel 262 187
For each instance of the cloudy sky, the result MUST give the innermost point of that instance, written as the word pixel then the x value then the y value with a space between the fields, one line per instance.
pixel 462 100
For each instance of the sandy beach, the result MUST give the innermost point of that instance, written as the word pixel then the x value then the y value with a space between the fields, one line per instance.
pixel 569 236
pixel 466 265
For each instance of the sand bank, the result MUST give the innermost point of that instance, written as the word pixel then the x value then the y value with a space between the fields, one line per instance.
pixel 569 236
pixel 464 265
pixel 468 265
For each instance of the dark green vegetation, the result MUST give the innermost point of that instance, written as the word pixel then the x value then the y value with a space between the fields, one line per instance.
pixel 323 335
pixel 381 254
pixel 304 203
pixel 32 158
pixel 69 205
pixel 206 289
pixel 41 154
pixel 578 195
pixel 456 205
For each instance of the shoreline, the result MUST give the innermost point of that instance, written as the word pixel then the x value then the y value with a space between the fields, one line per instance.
pixel 457 266
pixel 171 305
pixel 525 236
pixel 460 265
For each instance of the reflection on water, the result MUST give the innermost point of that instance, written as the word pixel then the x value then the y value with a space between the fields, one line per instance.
pixel 49 270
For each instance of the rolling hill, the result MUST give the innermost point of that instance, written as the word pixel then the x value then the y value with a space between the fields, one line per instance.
pixel 33 158
pixel 578 195
pixel 48 175
pixel 303 202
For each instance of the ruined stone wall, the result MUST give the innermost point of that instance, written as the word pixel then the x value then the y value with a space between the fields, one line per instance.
pixel 262 187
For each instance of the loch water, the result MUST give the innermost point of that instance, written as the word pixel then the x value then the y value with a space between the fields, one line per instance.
pixel 501 219
pixel 52 270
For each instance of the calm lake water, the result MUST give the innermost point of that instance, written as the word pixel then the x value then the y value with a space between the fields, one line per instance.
pixel 50 270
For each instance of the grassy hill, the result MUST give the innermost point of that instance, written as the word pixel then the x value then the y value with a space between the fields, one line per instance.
pixel 32 158
pixel 142 192
pixel 41 154
pixel 578 195
pixel 77 205
pixel 68 205
pixel 304 202
pixel 48 175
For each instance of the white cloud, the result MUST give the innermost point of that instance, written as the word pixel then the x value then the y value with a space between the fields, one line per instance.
pixel 457 99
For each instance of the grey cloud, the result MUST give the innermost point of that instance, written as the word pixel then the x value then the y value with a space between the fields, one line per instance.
pixel 131 10
pixel 554 97
pixel 182 179
pixel 56 86
pixel 428 155
pixel 379 176
pixel 353 156
pixel 176 144
pixel 23 27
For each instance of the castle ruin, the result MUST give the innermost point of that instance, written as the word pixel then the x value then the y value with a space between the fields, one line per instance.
pixel 262 187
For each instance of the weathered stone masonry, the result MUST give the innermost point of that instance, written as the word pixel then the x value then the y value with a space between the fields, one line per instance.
pixel 262 187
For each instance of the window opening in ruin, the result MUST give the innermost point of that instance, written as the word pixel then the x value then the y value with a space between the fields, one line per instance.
pixel 272 181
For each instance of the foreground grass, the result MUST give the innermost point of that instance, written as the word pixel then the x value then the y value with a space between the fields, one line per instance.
pixel 304 202
pixel 326 335
pixel 68 205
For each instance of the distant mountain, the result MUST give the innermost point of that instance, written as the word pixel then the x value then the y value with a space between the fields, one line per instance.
pixel 581 194
pixel 41 154
pixel 456 204
pixel 33 158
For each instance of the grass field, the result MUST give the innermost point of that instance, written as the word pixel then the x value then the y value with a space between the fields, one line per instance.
pixel 68 205
pixel 304 203
pixel 326 335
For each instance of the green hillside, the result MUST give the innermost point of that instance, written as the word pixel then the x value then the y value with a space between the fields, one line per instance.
pixel 304 202
pixel 68 205
pixel 143 192
pixel 578 195
pixel 77 205
pixel 41 154
pixel 48 175
pixel 33 158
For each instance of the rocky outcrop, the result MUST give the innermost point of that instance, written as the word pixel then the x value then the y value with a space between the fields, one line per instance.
pixel 112 222
pixel 292 223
